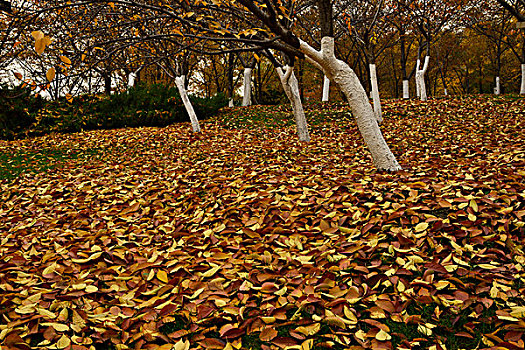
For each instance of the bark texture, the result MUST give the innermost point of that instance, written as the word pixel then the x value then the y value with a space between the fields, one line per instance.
pixel 375 94
pixel 179 81
pixel 497 89
pixel 326 89
pixel 247 90
pixel 345 78
pixel 291 88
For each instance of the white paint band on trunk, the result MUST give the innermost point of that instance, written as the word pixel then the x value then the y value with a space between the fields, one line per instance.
pixel 406 90
pixel 326 89
pixel 179 81
pixel 247 89
pixel 522 90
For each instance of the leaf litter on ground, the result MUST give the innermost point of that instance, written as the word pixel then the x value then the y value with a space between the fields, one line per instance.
pixel 244 238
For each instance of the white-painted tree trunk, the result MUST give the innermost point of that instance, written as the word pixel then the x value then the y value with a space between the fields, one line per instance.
pixel 179 81
pixel 522 90
pixel 131 79
pixel 326 89
pixel 291 88
pixel 497 89
pixel 422 87
pixel 446 92
pixel 375 94
pixel 406 90
pixel 418 79
pixel 247 90
pixel 230 102
pixel 345 78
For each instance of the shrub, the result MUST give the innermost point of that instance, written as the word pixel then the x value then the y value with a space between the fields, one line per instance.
pixel 17 106
pixel 144 105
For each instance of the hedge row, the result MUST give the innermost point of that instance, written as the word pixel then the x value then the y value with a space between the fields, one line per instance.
pixel 23 114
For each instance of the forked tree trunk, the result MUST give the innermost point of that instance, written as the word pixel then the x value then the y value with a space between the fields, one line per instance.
pixel 406 91
pixel 522 90
pixel 326 89
pixel 375 94
pixel 341 74
pixel 179 81
pixel 247 91
pixel 291 88
pixel 497 89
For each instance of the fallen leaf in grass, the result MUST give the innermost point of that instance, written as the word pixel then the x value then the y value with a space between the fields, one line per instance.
pixel 182 345
pixel 517 311
pixel 268 334
pixel 382 335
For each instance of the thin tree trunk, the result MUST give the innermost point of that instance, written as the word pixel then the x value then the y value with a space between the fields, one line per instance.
pixel 375 94
pixel 247 91
pixel 291 88
pixel 341 74
pixel 497 89
pixel 421 78
pixel 522 90
pixel 326 89
pixel 131 79
pixel 107 84
pixel 406 89
pixel 179 81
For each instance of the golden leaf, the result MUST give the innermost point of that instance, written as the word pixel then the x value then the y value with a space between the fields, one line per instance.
pixel 162 276
pixel 382 335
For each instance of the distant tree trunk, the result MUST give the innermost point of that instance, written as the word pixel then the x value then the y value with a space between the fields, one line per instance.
pixel 326 89
pixel 497 88
pixel 291 88
pixel 421 89
pixel 247 90
pixel 375 93
pixel 231 62
pixel 107 83
pixel 131 79
pixel 179 81
pixel 406 91
pixel 522 90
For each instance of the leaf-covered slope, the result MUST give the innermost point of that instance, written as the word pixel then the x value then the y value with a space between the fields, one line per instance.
pixel 245 238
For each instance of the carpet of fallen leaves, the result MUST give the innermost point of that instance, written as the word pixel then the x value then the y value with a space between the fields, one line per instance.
pixel 244 238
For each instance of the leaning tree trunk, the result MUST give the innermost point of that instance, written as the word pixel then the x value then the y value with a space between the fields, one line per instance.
pixel 179 81
pixel 291 88
pixel 326 89
pixel 341 74
pixel 247 92
pixel 375 94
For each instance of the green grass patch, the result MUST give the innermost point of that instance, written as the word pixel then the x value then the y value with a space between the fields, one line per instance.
pixel 21 162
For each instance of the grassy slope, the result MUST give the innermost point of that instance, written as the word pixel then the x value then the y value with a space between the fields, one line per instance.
pixel 240 234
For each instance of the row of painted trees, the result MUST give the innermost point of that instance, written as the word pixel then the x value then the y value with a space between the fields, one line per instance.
pixel 83 39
